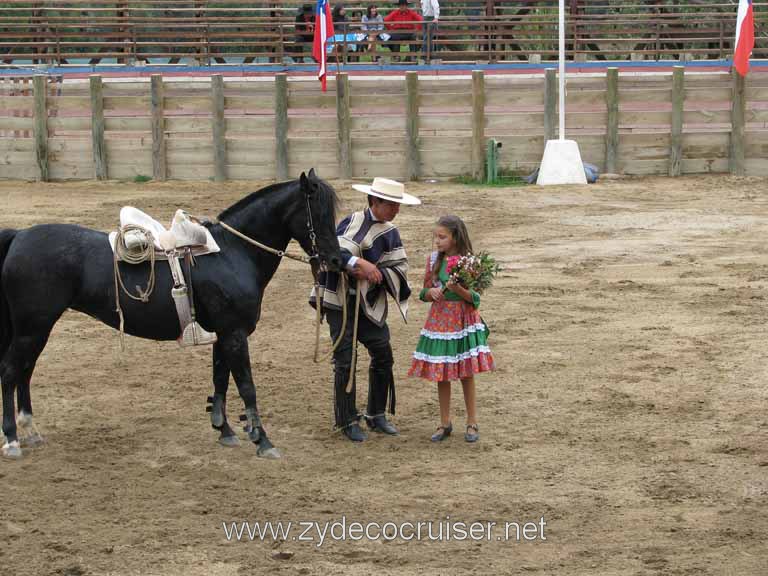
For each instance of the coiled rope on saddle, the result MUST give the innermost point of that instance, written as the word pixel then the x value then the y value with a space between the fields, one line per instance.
pixel 142 252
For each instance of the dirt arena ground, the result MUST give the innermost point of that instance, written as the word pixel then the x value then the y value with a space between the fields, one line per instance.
pixel 628 409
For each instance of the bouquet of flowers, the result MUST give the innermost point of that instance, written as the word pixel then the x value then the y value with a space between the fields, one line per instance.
pixel 473 271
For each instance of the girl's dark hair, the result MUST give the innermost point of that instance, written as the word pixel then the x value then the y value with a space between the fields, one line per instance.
pixel 336 14
pixel 369 9
pixel 458 230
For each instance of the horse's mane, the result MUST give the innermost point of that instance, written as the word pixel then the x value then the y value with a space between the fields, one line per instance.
pixel 327 199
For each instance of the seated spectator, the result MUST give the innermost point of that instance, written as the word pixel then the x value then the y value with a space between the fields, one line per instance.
pixel 305 31
pixel 402 25
pixel 343 36
pixel 373 26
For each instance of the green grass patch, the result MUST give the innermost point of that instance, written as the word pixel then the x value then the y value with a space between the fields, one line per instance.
pixel 504 180
pixel 140 179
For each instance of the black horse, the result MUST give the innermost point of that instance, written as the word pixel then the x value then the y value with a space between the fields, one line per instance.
pixel 48 268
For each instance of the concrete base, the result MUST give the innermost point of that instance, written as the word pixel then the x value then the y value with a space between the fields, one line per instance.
pixel 561 164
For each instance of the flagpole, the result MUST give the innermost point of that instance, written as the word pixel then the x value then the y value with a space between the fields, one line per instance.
pixel 561 18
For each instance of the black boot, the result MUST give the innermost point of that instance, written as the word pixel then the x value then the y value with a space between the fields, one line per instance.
pixel 381 384
pixel 345 408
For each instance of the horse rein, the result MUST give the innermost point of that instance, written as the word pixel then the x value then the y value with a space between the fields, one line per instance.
pixel 314 256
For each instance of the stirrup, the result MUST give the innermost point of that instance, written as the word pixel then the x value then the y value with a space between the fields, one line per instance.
pixel 194 335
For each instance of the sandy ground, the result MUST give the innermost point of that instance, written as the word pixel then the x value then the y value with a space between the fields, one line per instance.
pixel 628 409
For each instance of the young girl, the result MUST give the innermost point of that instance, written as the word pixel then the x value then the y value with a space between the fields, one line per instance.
pixel 453 344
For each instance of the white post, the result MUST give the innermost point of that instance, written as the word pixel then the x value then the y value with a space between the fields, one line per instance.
pixel 562 68
pixel 561 163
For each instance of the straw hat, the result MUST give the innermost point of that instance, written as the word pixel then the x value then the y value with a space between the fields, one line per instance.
pixel 391 190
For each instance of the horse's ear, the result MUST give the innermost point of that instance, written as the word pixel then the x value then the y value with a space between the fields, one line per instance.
pixel 304 181
pixel 312 175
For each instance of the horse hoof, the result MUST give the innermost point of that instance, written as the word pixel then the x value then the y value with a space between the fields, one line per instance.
pixel 270 453
pixel 32 441
pixel 229 441
pixel 12 450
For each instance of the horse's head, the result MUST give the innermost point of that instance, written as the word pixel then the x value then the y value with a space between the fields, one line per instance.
pixel 314 227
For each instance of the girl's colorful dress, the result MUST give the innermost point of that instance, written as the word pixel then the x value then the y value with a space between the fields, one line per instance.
pixel 454 341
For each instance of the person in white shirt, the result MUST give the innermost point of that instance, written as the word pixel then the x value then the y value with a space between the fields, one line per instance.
pixel 430 10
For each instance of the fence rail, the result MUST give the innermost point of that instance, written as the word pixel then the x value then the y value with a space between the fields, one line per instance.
pixel 403 127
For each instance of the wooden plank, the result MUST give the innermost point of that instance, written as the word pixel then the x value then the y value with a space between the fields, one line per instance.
pixel 512 99
pixel 201 104
pixel 19 171
pixel 128 125
pixel 254 125
pixel 10 123
pixel 69 102
pixel 251 103
pixel 756 145
pixel 550 104
pixel 704 165
pixel 377 124
pixel 477 155
pixel 459 145
pixel 197 155
pixel 378 102
pixel 412 125
pixel 530 123
pixel 707 117
pixel 129 171
pixel 612 123
pixel 114 103
pixel 40 129
pixel 324 169
pixel 281 127
pixel 312 125
pixel 645 96
pixel 97 129
pixel 190 171
pixel 708 94
pixel 219 129
pixel 738 107
pixel 198 125
pixel 17 104
pixel 446 123
pixel 755 167
pixel 588 99
pixel 676 137
pixel 344 146
pixel 247 171
pixel 256 152
pixel 756 94
pixel 312 101
pixel 26 145
pixel 705 145
pixel 593 120
pixel 159 162
pixel 62 171
pixel 446 100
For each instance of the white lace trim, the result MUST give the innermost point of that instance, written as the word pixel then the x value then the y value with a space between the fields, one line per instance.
pixel 476 351
pixel 479 327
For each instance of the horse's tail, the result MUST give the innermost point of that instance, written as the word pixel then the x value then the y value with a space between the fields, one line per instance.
pixel 6 330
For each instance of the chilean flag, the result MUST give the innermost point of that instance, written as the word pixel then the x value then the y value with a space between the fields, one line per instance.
pixel 323 31
pixel 745 37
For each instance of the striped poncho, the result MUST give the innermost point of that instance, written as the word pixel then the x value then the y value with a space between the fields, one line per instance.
pixel 379 243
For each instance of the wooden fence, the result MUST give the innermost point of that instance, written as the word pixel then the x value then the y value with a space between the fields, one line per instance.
pixel 404 127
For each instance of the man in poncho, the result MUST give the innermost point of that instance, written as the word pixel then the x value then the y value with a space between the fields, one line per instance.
pixel 376 265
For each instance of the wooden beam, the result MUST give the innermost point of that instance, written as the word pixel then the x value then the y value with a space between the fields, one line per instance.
pixel 550 104
pixel 97 129
pixel 738 106
pixel 344 122
pixel 159 161
pixel 413 169
pixel 40 126
pixel 612 129
pixel 281 127
pixel 219 129
pixel 478 124
pixel 676 136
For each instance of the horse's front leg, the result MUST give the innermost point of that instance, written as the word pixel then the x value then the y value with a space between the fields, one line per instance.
pixel 218 401
pixel 234 347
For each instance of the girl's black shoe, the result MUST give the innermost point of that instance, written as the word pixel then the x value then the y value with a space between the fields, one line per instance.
pixel 442 433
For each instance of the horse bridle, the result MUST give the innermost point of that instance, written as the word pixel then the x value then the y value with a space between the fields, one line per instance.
pixel 314 256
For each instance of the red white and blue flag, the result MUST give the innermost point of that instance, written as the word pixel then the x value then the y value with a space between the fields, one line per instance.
pixel 745 37
pixel 323 31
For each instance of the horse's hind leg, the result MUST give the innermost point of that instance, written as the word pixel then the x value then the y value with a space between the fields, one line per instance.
pixel 234 347
pixel 29 435
pixel 15 372
pixel 218 401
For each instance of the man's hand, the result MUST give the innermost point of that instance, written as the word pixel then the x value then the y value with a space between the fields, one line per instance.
pixel 365 270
